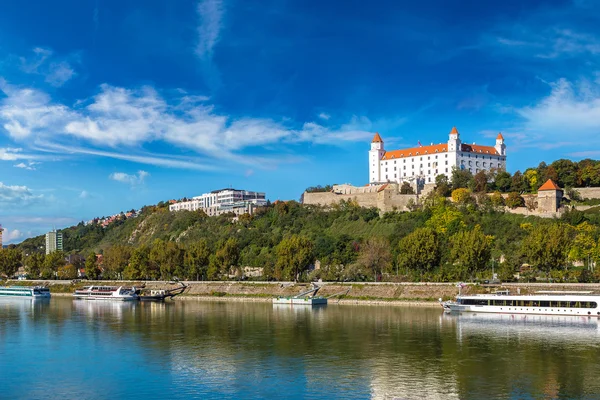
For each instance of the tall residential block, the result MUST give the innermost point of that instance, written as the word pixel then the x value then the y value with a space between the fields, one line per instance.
pixel 54 241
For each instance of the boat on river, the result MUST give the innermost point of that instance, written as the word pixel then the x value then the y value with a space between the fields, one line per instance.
pixel 160 294
pixel 29 292
pixel 114 293
pixel 540 303
pixel 307 298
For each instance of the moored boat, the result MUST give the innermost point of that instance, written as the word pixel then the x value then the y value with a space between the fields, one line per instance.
pixel 541 303
pixel 31 292
pixel 115 293
pixel 308 298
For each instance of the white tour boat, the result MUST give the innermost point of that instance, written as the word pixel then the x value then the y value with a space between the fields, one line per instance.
pixel 118 293
pixel 30 292
pixel 546 303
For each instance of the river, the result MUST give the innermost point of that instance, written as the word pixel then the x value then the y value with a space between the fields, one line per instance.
pixel 65 349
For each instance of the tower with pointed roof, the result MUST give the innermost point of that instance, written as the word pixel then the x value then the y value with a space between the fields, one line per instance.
pixel 549 197
pixel 375 155
pixel 500 146
pixel 454 140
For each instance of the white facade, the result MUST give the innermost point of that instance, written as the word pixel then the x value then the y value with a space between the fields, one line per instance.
pixel 54 241
pixel 223 201
pixel 422 164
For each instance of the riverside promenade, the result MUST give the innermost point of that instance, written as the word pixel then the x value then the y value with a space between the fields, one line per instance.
pixel 359 292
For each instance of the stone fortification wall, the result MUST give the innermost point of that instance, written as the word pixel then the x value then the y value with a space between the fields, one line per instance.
pixel 385 197
pixel 329 198
pixel 589 193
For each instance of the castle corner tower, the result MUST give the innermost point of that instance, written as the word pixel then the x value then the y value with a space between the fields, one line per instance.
pixel 375 155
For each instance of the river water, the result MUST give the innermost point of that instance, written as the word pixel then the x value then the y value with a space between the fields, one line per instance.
pixel 65 349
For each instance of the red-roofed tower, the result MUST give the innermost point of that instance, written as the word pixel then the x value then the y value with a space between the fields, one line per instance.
pixel 375 155
pixel 500 146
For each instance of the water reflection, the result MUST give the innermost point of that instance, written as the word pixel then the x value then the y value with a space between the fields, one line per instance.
pixel 546 328
pixel 193 349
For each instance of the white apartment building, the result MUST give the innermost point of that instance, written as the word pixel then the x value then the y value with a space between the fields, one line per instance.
pixel 223 201
pixel 422 164
pixel 54 241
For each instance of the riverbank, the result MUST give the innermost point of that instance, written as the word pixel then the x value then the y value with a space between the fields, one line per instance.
pixel 385 293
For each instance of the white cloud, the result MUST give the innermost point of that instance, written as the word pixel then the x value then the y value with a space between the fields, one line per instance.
pixel 118 117
pixel 570 109
pixel 17 195
pixel 324 116
pixel 84 194
pixel 135 179
pixel 10 236
pixel 210 14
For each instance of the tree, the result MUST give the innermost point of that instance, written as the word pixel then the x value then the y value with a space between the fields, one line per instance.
pixel 518 183
pixel 294 254
pixel 532 178
pixel 225 257
pixel 10 261
pixel 497 200
pixel 68 271
pixel 52 262
pixel 138 266
pixel 514 200
pixel 196 259
pixel 419 250
pixel 445 219
pixel 91 266
pixel 471 250
pixel 34 264
pixel 462 196
pixel 480 182
pixel 115 259
pixel 375 255
pixel 406 188
pixel 461 178
pixel 442 186
pixel 503 181
pixel 547 246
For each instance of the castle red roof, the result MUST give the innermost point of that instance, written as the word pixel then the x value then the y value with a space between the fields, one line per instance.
pixel 377 138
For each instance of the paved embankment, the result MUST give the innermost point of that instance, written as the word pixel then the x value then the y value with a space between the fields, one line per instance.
pixel 355 293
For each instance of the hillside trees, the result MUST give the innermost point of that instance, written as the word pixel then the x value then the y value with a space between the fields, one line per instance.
pixel 115 260
pixel 294 255
pixel 420 250
pixel 196 260
pixel 10 261
pixel 471 250
pixel 92 271
pixel 375 255
pixel 34 264
pixel 547 246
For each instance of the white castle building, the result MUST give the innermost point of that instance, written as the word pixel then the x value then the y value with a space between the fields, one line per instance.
pixel 223 201
pixel 422 164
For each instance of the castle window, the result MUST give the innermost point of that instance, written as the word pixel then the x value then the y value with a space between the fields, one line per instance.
pixel 446 169
pixel 446 162
pixel 404 160
pixel 386 170
pixel 446 155
pixel 491 165
pixel 394 175
pixel 428 157
pixel 405 174
pixel 394 168
pixel 429 164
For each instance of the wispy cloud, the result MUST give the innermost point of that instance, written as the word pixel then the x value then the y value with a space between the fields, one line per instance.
pixel 210 14
pixel 56 72
pixel 29 166
pixel 324 116
pixel 128 118
pixel 133 179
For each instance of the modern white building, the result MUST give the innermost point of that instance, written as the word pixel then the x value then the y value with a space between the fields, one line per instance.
pixel 54 241
pixel 223 201
pixel 422 164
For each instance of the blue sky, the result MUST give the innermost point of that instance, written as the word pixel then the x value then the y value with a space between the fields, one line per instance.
pixel 107 106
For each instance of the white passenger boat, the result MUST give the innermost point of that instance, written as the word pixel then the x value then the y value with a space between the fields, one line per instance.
pixel 115 293
pixel 31 292
pixel 544 303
